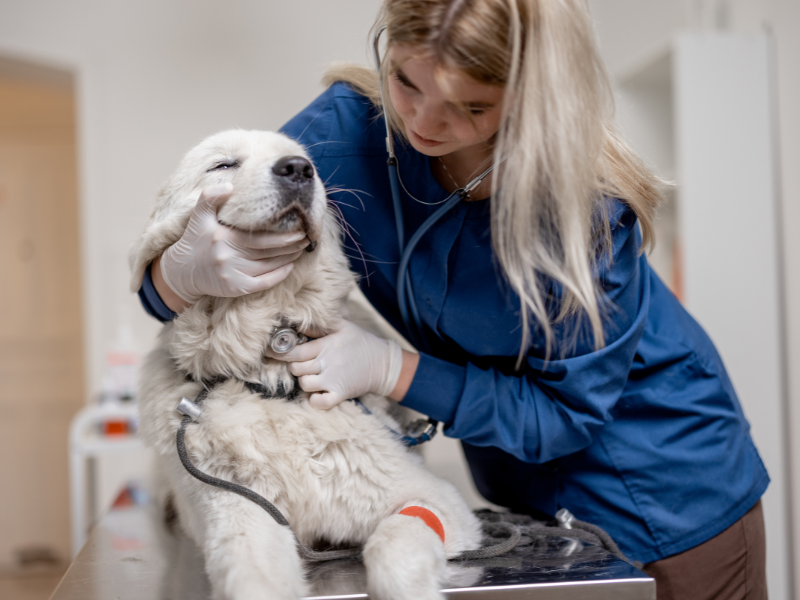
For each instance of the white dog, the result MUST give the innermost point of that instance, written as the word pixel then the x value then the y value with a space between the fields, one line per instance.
pixel 340 476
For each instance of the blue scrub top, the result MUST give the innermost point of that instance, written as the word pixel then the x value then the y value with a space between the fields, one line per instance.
pixel 645 437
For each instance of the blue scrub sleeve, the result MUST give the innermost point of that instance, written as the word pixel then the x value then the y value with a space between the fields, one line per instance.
pixel 554 408
pixel 151 301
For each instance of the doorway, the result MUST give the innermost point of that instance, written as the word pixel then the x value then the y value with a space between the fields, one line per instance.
pixel 41 346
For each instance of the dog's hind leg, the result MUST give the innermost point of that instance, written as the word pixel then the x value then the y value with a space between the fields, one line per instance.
pixel 405 558
pixel 248 555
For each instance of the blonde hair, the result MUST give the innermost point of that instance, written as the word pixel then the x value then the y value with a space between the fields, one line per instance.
pixel 561 149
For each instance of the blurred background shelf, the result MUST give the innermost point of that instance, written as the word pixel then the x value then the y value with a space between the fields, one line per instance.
pixel 105 454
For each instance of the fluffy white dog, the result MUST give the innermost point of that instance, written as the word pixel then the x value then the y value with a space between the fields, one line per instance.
pixel 340 476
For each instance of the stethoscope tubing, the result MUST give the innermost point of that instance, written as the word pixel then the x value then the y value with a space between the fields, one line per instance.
pixel 394 184
pixel 403 277
pixel 405 292
pixel 406 302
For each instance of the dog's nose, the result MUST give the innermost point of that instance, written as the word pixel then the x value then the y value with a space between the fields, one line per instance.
pixel 295 169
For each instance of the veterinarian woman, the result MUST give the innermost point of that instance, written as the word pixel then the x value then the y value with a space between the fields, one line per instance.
pixel 548 346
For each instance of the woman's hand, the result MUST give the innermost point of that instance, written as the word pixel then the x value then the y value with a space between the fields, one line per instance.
pixel 211 259
pixel 345 364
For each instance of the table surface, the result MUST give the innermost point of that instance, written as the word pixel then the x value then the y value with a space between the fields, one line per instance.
pixel 130 555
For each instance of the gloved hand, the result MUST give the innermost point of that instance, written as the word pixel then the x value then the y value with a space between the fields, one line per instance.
pixel 213 260
pixel 344 364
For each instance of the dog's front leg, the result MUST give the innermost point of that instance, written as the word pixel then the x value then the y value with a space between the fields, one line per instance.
pixel 405 560
pixel 248 555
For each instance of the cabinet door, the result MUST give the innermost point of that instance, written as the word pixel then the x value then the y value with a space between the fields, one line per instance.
pixel 41 354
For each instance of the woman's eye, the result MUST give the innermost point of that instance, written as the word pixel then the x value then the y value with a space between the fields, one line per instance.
pixel 477 111
pixel 228 164
pixel 403 81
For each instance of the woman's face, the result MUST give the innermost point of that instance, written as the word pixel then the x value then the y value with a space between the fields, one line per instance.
pixel 433 120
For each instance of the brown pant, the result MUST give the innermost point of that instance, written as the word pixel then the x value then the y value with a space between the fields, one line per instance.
pixel 731 565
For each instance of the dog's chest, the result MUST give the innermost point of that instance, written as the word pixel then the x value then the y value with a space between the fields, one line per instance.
pixel 298 456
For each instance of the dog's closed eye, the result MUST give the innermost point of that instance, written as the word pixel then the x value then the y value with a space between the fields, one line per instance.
pixel 226 164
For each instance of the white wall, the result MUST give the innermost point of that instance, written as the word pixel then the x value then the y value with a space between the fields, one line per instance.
pixel 153 78
pixel 630 31
pixel 729 225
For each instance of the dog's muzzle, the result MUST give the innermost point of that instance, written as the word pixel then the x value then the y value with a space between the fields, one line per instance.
pixel 294 170
pixel 294 176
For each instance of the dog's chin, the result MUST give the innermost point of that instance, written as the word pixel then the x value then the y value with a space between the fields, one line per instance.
pixel 287 221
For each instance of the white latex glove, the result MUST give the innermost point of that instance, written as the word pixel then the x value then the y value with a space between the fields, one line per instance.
pixel 345 364
pixel 213 260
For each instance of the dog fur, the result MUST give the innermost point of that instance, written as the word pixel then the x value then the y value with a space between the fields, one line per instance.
pixel 339 476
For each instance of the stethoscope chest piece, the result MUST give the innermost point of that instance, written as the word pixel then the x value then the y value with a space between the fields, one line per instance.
pixel 285 339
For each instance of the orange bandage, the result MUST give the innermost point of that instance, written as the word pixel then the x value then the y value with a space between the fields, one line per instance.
pixel 430 519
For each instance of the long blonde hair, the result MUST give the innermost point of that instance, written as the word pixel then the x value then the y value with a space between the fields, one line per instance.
pixel 561 149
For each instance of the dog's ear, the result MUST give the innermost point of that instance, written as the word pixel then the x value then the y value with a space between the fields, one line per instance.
pixel 174 205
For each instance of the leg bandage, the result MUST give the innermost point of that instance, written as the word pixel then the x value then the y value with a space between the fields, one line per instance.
pixel 430 519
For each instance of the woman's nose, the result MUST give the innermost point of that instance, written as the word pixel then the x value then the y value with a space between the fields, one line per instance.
pixel 427 120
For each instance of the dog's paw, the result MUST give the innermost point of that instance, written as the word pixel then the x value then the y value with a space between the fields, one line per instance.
pixel 257 587
pixel 252 584
pixel 252 558
pixel 405 560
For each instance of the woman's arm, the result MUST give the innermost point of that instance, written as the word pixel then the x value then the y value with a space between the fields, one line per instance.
pixel 552 408
pixel 407 371
pixel 174 302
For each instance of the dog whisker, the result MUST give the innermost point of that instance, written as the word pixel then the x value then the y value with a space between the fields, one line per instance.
pixel 341 203
pixel 372 261
pixel 309 123
pixel 335 190
pixel 340 219
pixel 370 256
pixel 325 183
pixel 350 235
pixel 346 226
pixel 326 142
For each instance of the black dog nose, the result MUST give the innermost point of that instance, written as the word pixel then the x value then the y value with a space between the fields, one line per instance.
pixel 295 169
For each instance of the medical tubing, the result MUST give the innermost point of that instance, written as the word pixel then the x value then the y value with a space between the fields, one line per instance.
pixel 414 334
pixel 581 530
pixel 498 549
pixel 308 553
pixel 254 497
pixel 495 524
pixel 421 343
pixel 398 210
pixel 221 483
pixel 606 540
pixel 405 296
pixel 544 531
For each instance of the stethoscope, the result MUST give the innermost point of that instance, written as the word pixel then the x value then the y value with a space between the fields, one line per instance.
pixel 405 291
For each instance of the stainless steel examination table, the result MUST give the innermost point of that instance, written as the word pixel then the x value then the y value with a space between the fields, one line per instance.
pixel 130 555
